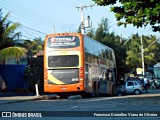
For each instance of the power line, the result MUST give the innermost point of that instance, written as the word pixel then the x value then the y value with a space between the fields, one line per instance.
pixel 19 12
pixel 31 14
pixel 27 37
pixel 28 15
pixel 27 32
pixel 35 30
pixel 30 28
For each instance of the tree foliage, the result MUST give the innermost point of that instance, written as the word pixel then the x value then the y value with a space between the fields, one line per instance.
pixel 102 34
pixel 12 53
pixel 7 31
pixel 128 51
pixel 105 2
pixel 151 51
pixel 7 37
pixel 136 12
pixel 33 46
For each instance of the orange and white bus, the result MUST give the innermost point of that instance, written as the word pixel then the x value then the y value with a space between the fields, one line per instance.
pixel 75 63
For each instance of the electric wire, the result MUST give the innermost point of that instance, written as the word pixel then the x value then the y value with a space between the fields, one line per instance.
pixel 32 14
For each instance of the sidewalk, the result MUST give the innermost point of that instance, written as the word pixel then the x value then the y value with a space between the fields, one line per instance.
pixel 15 99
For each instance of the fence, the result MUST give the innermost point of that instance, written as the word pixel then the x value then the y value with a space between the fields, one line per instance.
pixel 13 75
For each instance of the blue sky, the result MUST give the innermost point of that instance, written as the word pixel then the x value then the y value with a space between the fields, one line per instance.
pixel 42 15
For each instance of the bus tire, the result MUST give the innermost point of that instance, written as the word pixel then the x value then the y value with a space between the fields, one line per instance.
pixel 93 94
pixel 97 91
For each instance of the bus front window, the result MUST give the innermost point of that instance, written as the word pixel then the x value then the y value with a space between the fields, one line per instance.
pixel 157 72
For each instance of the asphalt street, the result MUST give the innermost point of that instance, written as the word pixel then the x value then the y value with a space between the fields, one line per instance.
pixel 85 108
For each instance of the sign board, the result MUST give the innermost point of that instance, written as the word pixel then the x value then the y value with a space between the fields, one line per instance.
pixel 139 70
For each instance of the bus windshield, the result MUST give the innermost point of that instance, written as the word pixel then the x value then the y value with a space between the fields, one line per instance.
pixel 63 42
pixel 157 72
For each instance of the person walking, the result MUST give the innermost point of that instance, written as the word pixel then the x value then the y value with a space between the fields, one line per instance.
pixel 145 84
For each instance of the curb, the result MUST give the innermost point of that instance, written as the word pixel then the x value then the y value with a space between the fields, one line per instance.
pixel 16 99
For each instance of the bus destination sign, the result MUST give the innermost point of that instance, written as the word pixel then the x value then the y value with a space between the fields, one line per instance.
pixel 63 41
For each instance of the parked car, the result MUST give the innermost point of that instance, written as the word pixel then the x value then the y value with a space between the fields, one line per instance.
pixel 130 87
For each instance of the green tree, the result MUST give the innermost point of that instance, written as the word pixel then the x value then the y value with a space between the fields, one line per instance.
pixel 113 41
pixel 136 12
pixel 116 43
pixel 151 54
pixel 91 33
pixel 133 59
pixel 151 50
pixel 7 31
pixel 102 30
pixel 33 46
pixel 12 53
pixel 7 37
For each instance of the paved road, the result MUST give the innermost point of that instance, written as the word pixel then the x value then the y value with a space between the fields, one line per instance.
pixel 130 103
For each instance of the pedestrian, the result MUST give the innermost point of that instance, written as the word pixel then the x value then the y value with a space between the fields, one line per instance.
pixel 145 84
pixel 153 84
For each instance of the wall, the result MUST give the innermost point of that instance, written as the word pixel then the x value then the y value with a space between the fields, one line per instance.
pixel 13 75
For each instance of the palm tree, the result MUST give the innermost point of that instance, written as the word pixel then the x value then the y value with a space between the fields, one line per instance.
pixel 7 31
pixel 133 59
pixel 151 54
pixel 33 47
pixel 151 50
pixel 7 36
pixel 12 53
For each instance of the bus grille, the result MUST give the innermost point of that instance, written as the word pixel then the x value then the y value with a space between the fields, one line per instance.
pixel 63 61
pixel 67 76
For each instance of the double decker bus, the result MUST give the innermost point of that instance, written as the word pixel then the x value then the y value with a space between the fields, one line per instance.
pixel 75 63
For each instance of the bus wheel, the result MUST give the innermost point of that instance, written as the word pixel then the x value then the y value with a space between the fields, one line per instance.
pixel 97 92
pixel 93 94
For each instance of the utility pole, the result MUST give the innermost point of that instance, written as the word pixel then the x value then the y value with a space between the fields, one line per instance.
pixel 54 29
pixel 82 16
pixel 142 54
